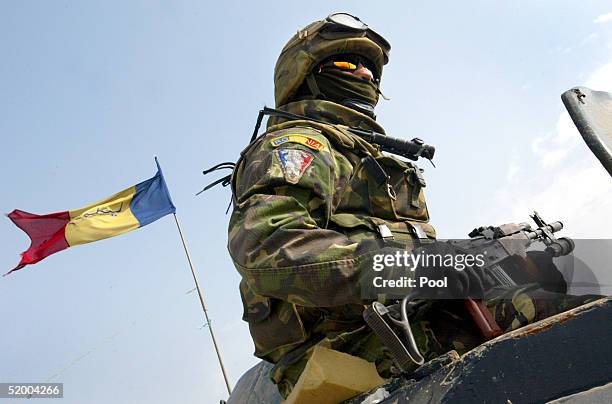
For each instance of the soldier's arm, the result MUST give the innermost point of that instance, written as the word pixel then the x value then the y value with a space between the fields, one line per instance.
pixel 278 236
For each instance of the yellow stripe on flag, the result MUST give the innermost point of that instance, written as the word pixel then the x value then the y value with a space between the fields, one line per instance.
pixel 102 219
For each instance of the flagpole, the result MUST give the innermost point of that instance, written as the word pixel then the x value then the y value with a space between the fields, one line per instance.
pixel 201 296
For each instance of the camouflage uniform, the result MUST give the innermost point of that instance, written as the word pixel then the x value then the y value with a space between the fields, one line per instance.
pixel 306 208
pixel 295 244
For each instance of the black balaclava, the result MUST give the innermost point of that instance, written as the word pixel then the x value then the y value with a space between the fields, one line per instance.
pixel 343 88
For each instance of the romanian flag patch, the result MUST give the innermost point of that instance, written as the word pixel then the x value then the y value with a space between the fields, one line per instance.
pixel 294 163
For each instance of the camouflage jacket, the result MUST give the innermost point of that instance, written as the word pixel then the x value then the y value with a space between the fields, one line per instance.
pixel 306 198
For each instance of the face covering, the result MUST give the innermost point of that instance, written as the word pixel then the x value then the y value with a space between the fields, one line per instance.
pixel 348 90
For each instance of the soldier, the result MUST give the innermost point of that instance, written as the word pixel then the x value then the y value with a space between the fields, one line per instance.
pixel 311 208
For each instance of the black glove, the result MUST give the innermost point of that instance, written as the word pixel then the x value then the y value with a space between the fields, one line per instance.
pixel 547 275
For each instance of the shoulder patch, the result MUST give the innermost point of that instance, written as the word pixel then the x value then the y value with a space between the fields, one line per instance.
pixel 294 163
pixel 297 138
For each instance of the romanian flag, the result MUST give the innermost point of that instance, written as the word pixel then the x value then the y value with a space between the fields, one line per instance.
pixel 127 210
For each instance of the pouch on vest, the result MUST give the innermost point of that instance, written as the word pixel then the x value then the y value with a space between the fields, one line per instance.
pixel 386 188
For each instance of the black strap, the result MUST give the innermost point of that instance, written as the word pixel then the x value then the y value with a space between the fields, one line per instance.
pixel 224 181
pixel 257 124
pixel 220 166
pixel 313 87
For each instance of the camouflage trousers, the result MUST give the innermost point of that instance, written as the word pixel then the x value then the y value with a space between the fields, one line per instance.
pixel 438 327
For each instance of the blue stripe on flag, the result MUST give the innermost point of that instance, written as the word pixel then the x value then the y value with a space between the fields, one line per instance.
pixel 152 200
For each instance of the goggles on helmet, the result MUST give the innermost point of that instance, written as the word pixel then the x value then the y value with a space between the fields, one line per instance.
pixel 339 25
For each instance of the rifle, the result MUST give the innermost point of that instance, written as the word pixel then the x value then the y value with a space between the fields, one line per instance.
pixel 497 244
pixel 410 149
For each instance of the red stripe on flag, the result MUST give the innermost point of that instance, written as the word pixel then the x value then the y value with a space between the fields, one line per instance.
pixel 45 231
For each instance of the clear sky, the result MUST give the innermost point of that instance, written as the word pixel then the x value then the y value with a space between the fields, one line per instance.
pixel 91 91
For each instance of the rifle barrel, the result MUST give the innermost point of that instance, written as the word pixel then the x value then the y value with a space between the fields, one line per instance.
pixel 551 227
pixel 410 149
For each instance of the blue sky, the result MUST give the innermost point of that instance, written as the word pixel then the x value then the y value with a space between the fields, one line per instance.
pixel 91 91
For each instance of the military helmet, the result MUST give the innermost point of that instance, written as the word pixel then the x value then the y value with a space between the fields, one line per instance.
pixel 339 33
